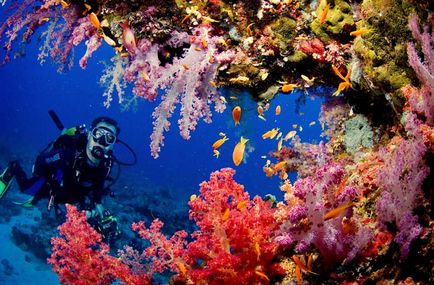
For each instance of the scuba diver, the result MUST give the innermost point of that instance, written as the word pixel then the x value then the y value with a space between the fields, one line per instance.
pixel 73 169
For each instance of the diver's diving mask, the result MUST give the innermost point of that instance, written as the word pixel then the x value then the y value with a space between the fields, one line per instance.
pixel 103 136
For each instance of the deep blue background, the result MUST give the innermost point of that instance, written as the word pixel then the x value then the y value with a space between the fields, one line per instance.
pixel 29 90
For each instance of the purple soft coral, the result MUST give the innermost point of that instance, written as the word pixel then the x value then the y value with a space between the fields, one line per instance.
pixel 422 100
pixel 402 177
pixel 306 224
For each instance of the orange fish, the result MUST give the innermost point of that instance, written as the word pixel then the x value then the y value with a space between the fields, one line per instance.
pixel 259 273
pixel 225 215
pixel 278 109
pixel 216 153
pixel 342 86
pixel 298 275
pixel 360 32
pixel 64 4
pixel 268 171
pixel 341 187
pixel 267 106
pixel 238 153
pixel 94 21
pixel 204 43
pixel 182 268
pixel 260 110
pixel 241 205
pixel 43 20
pixel 337 211
pixel 324 13
pixel 280 165
pixel 309 262
pixel 218 143
pixel 283 175
pixel 346 80
pixel 236 115
pixel 270 134
pixel 299 263
pixel 286 88
pixel 249 30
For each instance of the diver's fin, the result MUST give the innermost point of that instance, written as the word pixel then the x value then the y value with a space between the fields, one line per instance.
pixel 5 180
pixel 25 204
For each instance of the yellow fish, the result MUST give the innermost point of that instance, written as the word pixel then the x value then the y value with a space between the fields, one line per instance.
pixel 289 135
pixel 109 41
pixel 216 153
pixel 312 123
pixel 360 32
pixel 193 197
pixel 218 143
pixel 238 153
pixel 226 214
pixel 241 205
pixel 337 211
pixel 64 4
pixel 280 165
pixel 279 145
pixel 279 135
pixel 270 134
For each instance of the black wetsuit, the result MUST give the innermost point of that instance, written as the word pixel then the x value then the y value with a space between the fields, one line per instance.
pixel 62 174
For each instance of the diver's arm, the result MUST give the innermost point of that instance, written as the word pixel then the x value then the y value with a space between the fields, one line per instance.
pixel 97 211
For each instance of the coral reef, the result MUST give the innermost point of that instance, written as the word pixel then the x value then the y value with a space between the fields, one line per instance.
pixel 187 49
pixel 361 209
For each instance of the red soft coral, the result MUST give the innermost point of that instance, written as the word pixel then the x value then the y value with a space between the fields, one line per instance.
pixel 234 244
pixel 80 257
pixel 166 254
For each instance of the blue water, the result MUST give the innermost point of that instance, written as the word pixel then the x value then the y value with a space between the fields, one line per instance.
pixel 29 90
